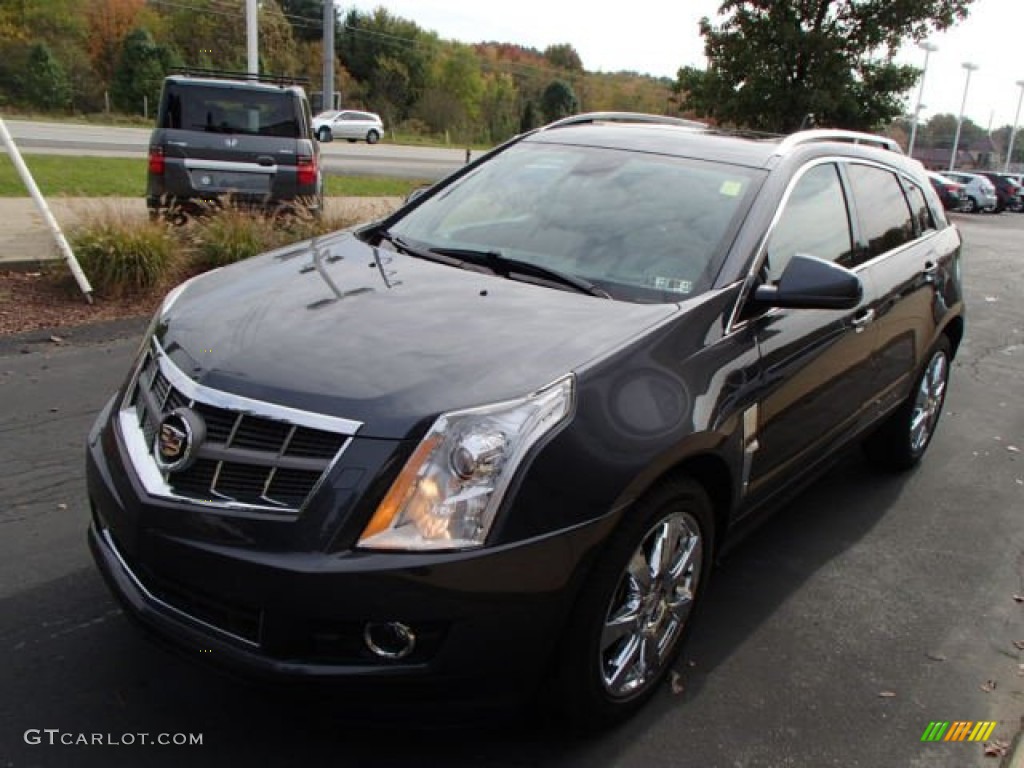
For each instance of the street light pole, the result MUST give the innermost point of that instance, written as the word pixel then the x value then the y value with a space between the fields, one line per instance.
pixel 928 49
pixel 1013 133
pixel 252 37
pixel 960 120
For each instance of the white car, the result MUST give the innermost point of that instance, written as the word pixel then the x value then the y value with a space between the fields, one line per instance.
pixel 348 124
pixel 979 192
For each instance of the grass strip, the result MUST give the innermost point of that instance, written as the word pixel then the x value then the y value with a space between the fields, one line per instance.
pixel 126 177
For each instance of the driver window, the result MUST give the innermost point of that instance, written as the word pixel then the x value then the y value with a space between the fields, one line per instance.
pixel 814 222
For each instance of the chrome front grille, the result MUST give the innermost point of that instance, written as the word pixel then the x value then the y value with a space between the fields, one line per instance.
pixel 255 455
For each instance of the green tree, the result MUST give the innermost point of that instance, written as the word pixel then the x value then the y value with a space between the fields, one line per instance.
pixel 306 18
pixel 773 62
pixel 46 83
pixel 529 119
pixel 391 55
pixel 558 100
pixel 563 56
pixel 140 72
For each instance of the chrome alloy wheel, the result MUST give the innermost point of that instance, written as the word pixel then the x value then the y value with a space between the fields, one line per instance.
pixel 650 605
pixel 928 403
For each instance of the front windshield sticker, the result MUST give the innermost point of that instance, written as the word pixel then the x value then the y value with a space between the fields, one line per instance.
pixel 672 284
pixel 731 188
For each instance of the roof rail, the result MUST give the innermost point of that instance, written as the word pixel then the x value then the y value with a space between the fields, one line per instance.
pixel 832 134
pixel 235 75
pixel 622 117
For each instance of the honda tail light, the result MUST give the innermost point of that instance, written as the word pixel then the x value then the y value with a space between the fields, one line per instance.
pixel 306 170
pixel 156 161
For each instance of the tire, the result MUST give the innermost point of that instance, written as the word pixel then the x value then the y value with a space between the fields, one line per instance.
pixel 971 206
pixel 627 628
pixel 372 137
pixel 324 135
pixel 903 438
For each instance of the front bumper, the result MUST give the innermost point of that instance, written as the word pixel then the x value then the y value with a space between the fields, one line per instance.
pixel 486 621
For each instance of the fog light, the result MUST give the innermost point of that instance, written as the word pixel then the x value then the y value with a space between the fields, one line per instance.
pixel 389 640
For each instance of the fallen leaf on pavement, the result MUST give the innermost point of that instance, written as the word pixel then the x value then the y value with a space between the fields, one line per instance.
pixel 1019 645
pixel 1018 598
pixel 677 683
pixel 1013 449
pixel 988 686
pixel 936 656
pixel 887 694
pixel 57 339
pixel 62 507
pixel 997 748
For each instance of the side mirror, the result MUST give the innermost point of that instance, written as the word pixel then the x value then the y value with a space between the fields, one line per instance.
pixel 416 193
pixel 808 282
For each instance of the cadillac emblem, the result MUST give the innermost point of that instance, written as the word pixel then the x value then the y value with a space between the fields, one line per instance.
pixel 177 440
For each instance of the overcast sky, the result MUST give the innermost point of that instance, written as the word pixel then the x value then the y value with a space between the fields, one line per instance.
pixel 659 36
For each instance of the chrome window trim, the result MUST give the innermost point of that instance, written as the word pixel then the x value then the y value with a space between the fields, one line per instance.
pixel 109 541
pixel 734 324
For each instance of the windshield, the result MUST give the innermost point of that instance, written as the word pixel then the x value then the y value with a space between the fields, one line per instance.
pixel 643 227
pixel 230 110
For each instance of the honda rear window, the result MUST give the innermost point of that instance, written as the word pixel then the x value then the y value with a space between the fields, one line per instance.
pixel 230 110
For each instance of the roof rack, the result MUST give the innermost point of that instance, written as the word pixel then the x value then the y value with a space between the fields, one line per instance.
pixel 831 134
pixel 235 75
pixel 622 117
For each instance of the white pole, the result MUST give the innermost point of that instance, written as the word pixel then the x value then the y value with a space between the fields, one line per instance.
pixel 44 209
pixel 1013 133
pixel 328 101
pixel 928 48
pixel 960 121
pixel 252 37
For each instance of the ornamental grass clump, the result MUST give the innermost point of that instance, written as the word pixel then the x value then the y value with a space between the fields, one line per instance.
pixel 123 253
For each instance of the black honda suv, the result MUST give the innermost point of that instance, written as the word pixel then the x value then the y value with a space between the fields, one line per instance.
pixel 218 136
pixel 494 441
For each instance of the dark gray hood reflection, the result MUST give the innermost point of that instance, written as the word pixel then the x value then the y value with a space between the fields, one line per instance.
pixel 384 338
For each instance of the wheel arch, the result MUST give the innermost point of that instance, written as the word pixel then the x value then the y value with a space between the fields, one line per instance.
pixel 954 331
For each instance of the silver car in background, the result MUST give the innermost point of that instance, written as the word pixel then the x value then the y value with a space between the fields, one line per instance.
pixel 348 124
pixel 980 193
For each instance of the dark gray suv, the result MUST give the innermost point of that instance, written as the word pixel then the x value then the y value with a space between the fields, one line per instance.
pixel 221 136
pixel 492 444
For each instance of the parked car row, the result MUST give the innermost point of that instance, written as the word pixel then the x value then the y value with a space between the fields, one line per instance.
pixel 982 191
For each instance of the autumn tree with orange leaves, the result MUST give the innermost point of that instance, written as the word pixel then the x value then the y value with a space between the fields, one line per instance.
pixel 109 22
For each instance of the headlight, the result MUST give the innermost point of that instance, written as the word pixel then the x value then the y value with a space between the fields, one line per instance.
pixel 449 490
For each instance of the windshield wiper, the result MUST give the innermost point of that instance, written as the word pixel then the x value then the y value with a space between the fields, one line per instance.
pixel 422 253
pixel 506 267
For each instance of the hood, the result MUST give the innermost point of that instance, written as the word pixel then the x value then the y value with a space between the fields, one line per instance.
pixel 383 338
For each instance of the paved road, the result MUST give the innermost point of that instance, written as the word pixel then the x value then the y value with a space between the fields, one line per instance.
pixel 339 157
pixel 864 587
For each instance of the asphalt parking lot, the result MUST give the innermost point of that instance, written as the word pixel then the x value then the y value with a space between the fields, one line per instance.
pixel 832 636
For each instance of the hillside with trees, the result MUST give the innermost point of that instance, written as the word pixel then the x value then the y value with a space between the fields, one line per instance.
pixel 74 57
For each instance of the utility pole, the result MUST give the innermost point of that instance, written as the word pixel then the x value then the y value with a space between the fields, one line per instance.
pixel 329 21
pixel 252 50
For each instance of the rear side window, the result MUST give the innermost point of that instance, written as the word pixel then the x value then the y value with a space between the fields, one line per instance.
pixel 919 207
pixel 885 217
pixel 230 110
pixel 814 222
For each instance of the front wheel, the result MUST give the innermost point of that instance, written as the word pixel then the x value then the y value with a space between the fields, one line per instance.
pixel 903 438
pixel 324 134
pixel 634 612
pixel 372 137
pixel 971 206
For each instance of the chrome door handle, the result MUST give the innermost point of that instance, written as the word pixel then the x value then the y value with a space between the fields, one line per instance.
pixel 863 319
